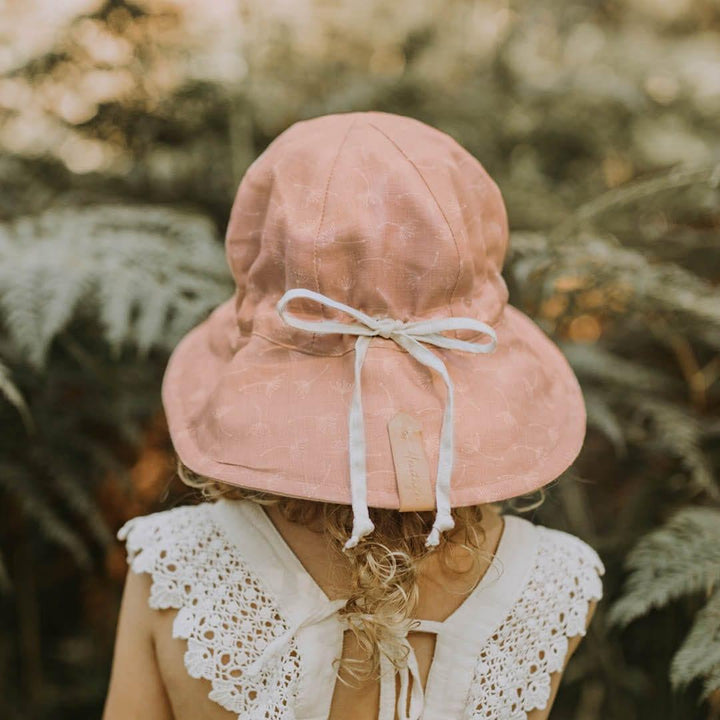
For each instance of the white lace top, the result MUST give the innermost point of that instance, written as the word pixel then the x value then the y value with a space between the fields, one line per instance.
pixel 265 635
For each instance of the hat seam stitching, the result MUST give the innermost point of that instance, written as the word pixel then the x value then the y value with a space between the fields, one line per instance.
pixel 322 216
pixel 437 203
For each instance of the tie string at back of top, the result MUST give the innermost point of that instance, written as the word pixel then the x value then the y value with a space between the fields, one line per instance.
pixel 409 336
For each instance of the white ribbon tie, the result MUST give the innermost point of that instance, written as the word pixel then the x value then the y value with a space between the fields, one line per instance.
pixel 407 704
pixel 408 335
pixel 280 644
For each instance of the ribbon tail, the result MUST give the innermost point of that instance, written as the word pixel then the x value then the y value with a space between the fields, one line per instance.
pixel 443 516
pixel 402 699
pixel 274 647
pixel 411 700
pixel 387 689
pixel 362 525
pixel 417 695
pixel 270 651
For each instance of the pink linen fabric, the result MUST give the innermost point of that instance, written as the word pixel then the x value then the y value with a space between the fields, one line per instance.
pixel 392 217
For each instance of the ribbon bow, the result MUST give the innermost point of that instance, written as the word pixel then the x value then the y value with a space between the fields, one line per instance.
pixel 407 703
pixel 407 335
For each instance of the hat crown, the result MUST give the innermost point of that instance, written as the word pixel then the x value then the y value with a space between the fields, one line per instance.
pixel 366 220
pixel 378 211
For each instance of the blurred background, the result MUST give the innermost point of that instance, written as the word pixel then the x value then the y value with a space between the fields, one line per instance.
pixel 125 128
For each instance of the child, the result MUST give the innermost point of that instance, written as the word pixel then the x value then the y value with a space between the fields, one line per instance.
pixel 353 564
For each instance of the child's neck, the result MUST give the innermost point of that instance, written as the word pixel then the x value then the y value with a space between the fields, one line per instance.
pixel 441 589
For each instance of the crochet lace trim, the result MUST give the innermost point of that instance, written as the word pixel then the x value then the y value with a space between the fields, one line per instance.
pixel 224 611
pixel 512 674
pixel 228 617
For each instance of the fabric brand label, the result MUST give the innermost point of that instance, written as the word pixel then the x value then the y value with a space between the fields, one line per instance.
pixel 411 465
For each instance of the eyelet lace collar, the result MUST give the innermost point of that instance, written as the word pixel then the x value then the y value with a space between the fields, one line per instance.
pixel 458 636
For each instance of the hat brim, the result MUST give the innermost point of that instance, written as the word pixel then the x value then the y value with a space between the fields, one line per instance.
pixel 272 418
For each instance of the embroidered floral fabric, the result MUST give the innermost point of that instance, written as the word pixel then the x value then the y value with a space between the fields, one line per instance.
pixel 228 616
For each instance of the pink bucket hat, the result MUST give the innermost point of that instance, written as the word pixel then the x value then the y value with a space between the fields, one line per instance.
pixel 358 241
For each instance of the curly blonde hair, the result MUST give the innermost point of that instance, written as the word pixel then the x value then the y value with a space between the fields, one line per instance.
pixel 384 567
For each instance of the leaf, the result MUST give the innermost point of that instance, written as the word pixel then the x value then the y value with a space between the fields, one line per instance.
pixel 678 432
pixel 596 363
pixel 65 482
pixel 153 318
pixel 131 267
pixel 14 397
pixel 21 304
pixel 711 686
pixel 680 558
pixel 15 480
pixel 688 303
pixel 601 416
pixel 699 655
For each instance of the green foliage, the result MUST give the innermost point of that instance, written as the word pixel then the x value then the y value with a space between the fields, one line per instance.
pixel 148 273
pixel 141 276
pixel 600 124
pixel 12 394
pixel 629 277
pixel 15 480
pixel 649 382
pixel 679 433
pixel 699 656
pixel 679 559
pixel 598 365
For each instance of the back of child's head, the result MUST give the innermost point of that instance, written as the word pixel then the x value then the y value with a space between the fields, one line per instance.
pixel 402 393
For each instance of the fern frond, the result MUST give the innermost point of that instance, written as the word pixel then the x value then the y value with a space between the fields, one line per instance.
pixel 678 432
pixel 21 304
pixel 684 300
pixel 680 558
pixel 699 655
pixel 602 417
pixel 153 319
pixel 14 480
pixel 12 394
pixel 116 308
pixel 632 192
pixel 134 268
pixel 63 288
pixel 594 362
pixel 712 683
pixel 80 502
